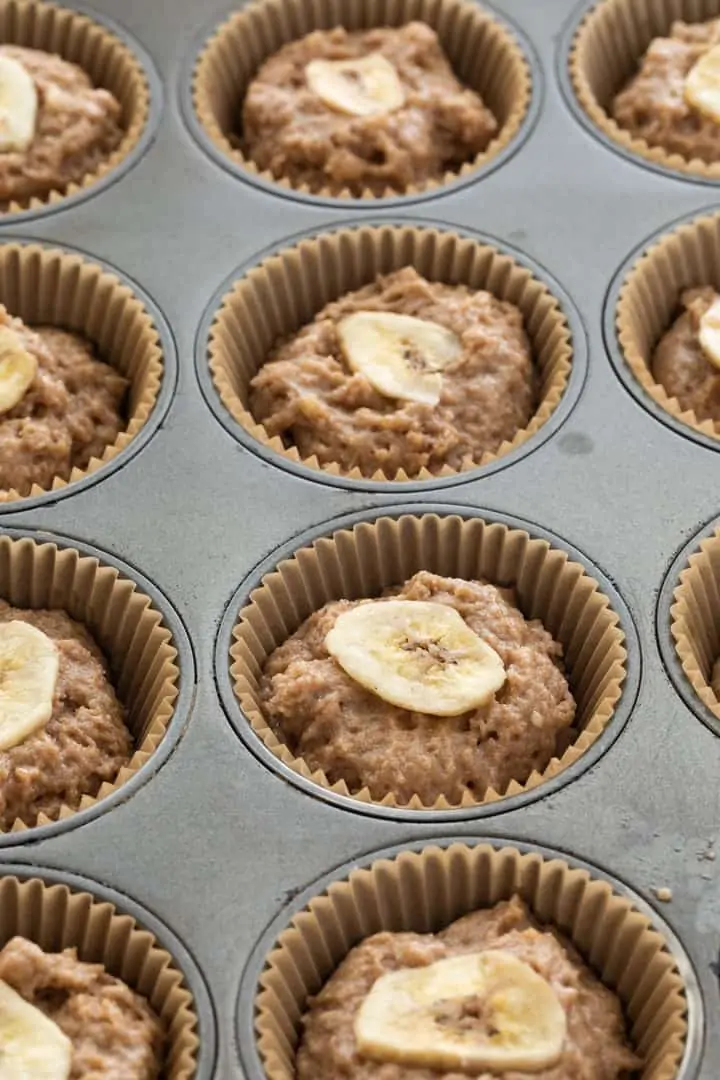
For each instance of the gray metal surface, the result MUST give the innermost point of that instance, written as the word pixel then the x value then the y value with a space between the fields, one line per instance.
pixel 215 842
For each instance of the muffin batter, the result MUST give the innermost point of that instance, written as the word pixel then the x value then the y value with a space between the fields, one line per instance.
pixel 84 744
pixel 77 127
pixel 653 107
pixel 70 414
pixel 596 1045
pixel 335 724
pixel 307 393
pixel 114 1033
pixel 680 364
pixel 292 132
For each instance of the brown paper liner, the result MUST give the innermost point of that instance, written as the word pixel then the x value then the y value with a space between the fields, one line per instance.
pixel 107 60
pixel 425 891
pixel 121 619
pixel 288 289
pixel 649 302
pixel 56 918
pixel 605 54
pixel 364 560
pixel 46 285
pixel 483 54
pixel 694 621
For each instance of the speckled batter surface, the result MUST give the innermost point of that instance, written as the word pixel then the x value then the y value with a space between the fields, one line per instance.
pixel 680 364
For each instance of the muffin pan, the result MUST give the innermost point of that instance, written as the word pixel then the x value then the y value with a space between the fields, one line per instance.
pixel 215 837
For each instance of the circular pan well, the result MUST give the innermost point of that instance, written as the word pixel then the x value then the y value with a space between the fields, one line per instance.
pixel 599 52
pixel 58 910
pixel 214 83
pixel 423 887
pixel 358 555
pixel 115 61
pixel 149 653
pixel 642 303
pixel 687 627
pixel 69 289
pixel 231 345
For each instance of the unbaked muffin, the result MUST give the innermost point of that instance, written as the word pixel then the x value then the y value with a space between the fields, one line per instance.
pixel 538 997
pixel 491 707
pixel 681 365
pixel 462 378
pixel 377 110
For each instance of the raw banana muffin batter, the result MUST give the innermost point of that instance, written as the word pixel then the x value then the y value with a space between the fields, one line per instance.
pixel 342 692
pixel 567 1025
pixel 96 1026
pixel 55 126
pixel 59 405
pixel 671 103
pixel 680 363
pixel 377 110
pixel 401 374
pixel 79 741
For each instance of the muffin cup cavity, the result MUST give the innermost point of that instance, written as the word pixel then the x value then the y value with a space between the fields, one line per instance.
pixel 56 918
pixel 425 890
pixel 648 303
pixel 139 648
pixel 483 53
pixel 605 52
pixel 286 291
pixel 61 289
pixel 364 560
pixel 107 60
pixel 694 621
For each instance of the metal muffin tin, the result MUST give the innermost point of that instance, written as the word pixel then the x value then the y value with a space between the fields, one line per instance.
pixel 215 842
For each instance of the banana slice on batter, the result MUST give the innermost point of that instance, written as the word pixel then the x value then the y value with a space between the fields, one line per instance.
pixel 29 664
pixel 702 84
pixel 18 105
pixel 18 368
pixel 416 655
pixel 403 357
pixel 366 87
pixel 477 1012
pixel 709 336
pixel 32 1047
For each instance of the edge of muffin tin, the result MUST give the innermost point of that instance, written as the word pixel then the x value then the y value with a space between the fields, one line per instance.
pixel 612 344
pixel 187 683
pixel 562 68
pixel 147 138
pixel 205 143
pixel 663 620
pixel 266 757
pixel 165 395
pixel 568 401
pixel 186 963
pixel 245 1040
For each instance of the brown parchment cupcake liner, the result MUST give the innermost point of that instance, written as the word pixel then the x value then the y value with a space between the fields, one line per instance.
pixel 695 622
pixel 103 56
pixel 364 560
pixel 56 918
pixel 426 890
pixel 62 289
pixel 649 302
pixel 483 53
pixel 605 54
pixel 139 648
pixel 283 293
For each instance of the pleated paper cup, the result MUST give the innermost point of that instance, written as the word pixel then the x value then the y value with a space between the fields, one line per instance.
pixel 483 54
pixel 695 625
pixel 365 560
pixel 62 289
pixel 139 648
pixel 285 292
pixel 649 303
pixel 424 891
pixel 56 918
pixel 606 53
pixel 108 61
